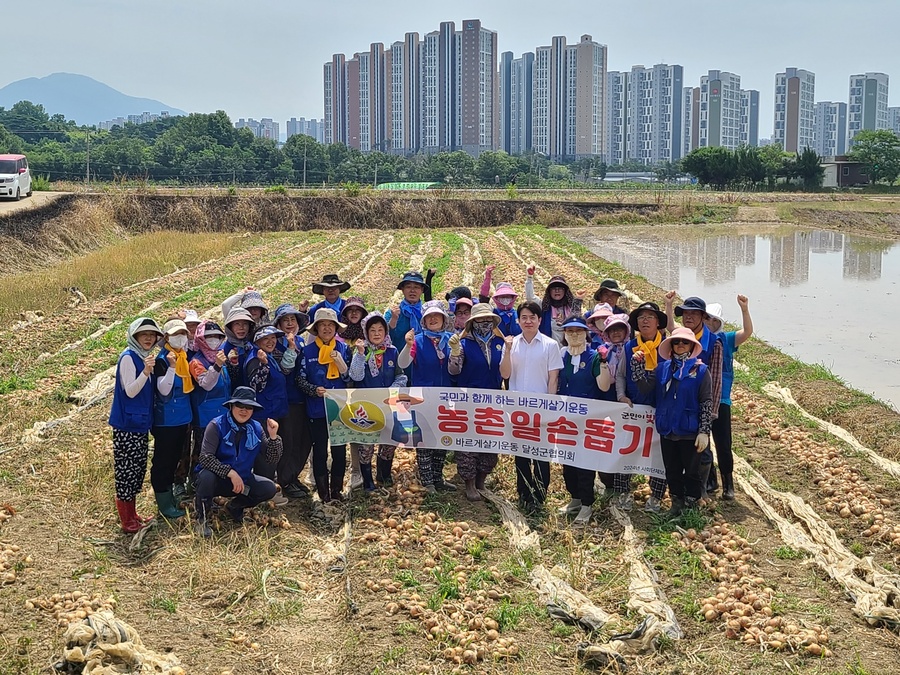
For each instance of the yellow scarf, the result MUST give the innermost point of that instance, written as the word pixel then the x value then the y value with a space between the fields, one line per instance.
pixel 649 349
pixel 325 349
pixel 182 370
pixel 699 335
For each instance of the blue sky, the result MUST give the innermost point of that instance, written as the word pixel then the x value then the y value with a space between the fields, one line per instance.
pixel 264 58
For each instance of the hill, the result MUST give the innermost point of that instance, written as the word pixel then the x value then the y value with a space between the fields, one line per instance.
pixel 79 98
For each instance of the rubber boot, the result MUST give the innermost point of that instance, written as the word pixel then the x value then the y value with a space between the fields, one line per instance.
pixel 728 486
pixel 366 471
pixel 337 487
pixel 356 478
pixel 678 506
pixel 704 478
pixel 438 460
pixel 127 517
pixel 166 503
pixel 322 488
pixel 479 480
pixel 383 476
pixel 711 483
pixel 472 493
pixel 691 503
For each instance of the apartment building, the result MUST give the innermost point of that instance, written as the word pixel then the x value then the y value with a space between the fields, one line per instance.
pixel 720 110
pixel 618 89
pixel 894 119
pixel 831 128
pixel 795 109
pixel 867 107
pixel 654 114
pixel 749 126
pixel 515 112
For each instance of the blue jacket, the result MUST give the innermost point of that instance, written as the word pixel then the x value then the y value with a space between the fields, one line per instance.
pixel 509 321
pixel 238 379
pixel 427 369
pixel 207 405
pixel 274 396
pixel 631 389
pixel 708 340
pixel 728 349
pixel 678 398
pixel 315 373
pixel 174 409
pixel 233 450
pixel 294 395
pixel 583 383
pixel 475 371
pixel 387 373
pixel 132 414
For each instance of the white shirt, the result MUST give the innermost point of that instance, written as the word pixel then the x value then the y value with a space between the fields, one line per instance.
pixel 532 362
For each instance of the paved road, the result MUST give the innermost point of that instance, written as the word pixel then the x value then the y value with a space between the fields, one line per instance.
pixel 36 199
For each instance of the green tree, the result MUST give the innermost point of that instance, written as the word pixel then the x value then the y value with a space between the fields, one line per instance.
pixel 491 165
pixel 751 169
pixel 711 166
pixel 308 158
pixel 807 166
pixel 10 142
pixel 879 152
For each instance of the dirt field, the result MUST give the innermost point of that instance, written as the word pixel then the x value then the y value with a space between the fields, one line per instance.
pixel 404 583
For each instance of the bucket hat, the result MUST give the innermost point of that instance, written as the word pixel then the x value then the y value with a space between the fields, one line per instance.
pixel 286 310
pixel 415 277
pixel 436 307
pixel 608 285
pixel 680 333
pixel 191 316
pixel 238 314
pixel 557 280
pixel 601 311
pixel 714 311
pixel 265 331
pixel 325 314
pixel 480 312
pixel 331 281
pixel 653 307
pixel 354 302
pixel 254 299
pixel 692 302
pixel 245 396
pixel 616 320
pixel 212 328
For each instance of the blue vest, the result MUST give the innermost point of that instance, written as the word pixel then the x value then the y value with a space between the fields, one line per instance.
pixel 341 303
pixel 236 454
pixel 678 404
pixel 475 372
pixel 132 414
pixel 242 356
pixel 631 388
pixel 175 409
pixel 207 405
pixel 509 321
pixel 427 369
pixel 294 395
pixel 273 397
pixel 728 349
pixel 315 375
pixel 708 341
pixel 583 383
pixel 386 375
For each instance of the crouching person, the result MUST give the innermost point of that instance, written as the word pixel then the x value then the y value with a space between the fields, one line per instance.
pixel 231 444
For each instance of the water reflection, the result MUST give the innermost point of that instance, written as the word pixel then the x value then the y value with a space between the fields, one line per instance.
pixel 798 281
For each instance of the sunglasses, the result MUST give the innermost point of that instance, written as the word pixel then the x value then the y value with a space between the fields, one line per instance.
pixel 240 406
pixel 677 342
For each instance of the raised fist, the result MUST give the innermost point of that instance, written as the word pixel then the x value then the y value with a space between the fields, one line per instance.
pixel 410 337
pixel 262 356
pixel 530 270
pixel 360 346
pixel 220 359
pixel 149 362
pixel 743 301
pixel 171 358
pixel 272 428
pixel 233 357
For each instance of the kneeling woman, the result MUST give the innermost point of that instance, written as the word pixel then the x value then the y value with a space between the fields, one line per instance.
pixel 231 445
pixel 323 366
pixel 375 364
pixel 682 387
pixel 475 362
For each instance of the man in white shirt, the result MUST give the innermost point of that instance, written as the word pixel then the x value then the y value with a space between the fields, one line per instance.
pixel 531 362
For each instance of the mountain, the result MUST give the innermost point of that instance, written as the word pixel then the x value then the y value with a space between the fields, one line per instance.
pixel 79 98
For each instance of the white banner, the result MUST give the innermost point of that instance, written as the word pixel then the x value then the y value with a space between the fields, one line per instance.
pixel 599 435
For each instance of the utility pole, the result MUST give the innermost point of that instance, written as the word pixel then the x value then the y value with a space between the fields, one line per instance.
pixel 305 147
pixel 87 173
pixel 375 184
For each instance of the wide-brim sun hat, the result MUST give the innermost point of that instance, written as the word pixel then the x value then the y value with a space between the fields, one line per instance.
pixel 414 277
pixel 504 288
pixel 212 328
pixel 680 333
pixel 691 303
pixel 288 309
pixel 558 281
pixel 608 285
pixel 330 281
pixel 661 317
pixel 244 396
pixel 714 311
pixel 481 312
pixel 145 324
pixel 254 299
pixel 354 302
pixel 435 307
pixel 191 316
pixel 601 311
pixel 174 326
pixel 614 320
pixel 238 314
pixel 325 314
pixel 404 398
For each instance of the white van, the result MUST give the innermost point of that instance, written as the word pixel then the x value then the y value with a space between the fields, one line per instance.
pixel 15 177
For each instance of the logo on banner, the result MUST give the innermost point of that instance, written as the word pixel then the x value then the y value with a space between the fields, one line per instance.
pixel 363 416
pixel 446 441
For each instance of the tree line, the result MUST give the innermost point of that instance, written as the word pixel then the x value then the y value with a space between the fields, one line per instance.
pixel 206 148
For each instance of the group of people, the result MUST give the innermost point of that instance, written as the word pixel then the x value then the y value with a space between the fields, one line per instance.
pixel 237 410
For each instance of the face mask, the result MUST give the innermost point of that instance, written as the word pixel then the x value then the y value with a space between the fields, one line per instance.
pixel 504 301
pixel 178 342
pixel 213 342
pixel 483 329
pixel 577 340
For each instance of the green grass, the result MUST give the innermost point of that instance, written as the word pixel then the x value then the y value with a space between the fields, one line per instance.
pixel 788 553
pixel 41 183
pixel 166 604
